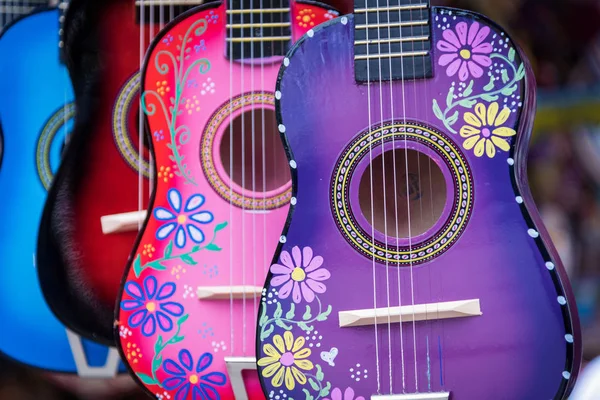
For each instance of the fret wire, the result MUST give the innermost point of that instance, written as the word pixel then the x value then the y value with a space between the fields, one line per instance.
pixel 391 8
pixel 259 39
pixel 265 11
pixel 267 25
pixel 393 24
pixel 392 40
pixel 393 55
pixel 169 2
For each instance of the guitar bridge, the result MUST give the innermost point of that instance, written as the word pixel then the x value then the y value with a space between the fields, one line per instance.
pixel 413 396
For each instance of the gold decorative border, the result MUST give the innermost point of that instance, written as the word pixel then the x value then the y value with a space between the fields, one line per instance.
pixel 441 240
pixel 49 131
pixel 208 163
pixel 121 134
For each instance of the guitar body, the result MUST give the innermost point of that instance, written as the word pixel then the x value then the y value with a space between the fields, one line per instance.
pixel 36 113
pixel 81 266
pixel 486 245
pixel 208 227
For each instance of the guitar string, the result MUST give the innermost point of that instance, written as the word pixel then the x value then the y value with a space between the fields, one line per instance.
pixel 395 180
pixel 142 13
pixel 243 185
pixel 230 19
pixel 253 148
pixel 374 271
pixel 381 118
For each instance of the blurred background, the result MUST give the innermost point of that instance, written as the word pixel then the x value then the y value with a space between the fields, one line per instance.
pixel 562 40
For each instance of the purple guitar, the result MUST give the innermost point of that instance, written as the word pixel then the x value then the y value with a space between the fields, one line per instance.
pixel 414 264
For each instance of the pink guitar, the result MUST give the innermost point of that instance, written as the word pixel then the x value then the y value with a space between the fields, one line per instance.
pixel 187 313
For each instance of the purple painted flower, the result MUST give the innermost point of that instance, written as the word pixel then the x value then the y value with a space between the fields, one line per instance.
pixel 185 378
pixel 336 394
pixel 299 274
pixel 467 52
pixel 178 220
pixel 152 309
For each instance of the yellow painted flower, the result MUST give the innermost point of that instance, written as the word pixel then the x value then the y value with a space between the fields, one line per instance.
pixel 165 173
pixel 285 360
pixel 148 250
pixel 485 132
pixel 162 87
pixel 177 271
pixel 305 18
pixel 133 353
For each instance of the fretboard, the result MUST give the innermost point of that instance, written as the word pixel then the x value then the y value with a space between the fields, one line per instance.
pixel 392 40
pixel 258 28
pixel 13 9
pixel 162 11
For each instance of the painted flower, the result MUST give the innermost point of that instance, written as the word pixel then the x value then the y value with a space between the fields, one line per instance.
pixel 286 360
pixel 180 221
pixel 336 394
pixel 484 130
pixel 152 309
pixel 466 51
pixel 299 274
pixel 186 378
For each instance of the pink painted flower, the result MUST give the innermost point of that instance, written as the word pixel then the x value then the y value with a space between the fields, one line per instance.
pixel 336 394
pixel 299 274
pixel 466 51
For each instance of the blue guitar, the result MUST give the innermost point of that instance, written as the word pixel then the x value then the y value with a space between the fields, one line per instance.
pixel 36 113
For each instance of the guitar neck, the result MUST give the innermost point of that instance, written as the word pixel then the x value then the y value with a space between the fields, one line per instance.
pixel 392 40
pixel 258 30
pixel 162 11
pixel 10 10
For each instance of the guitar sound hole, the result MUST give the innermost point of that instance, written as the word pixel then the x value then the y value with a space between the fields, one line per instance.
pixel 258 165
pixel 425 197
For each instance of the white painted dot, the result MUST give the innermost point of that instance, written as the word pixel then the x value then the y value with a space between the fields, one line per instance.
pixel 286 61
pixel 519 199
pixel 533 233
pixel 278 95
pixel 550 265
pixel 569 338
pixel 561 300
pixel 566 374
pixel 282 239
pixel 310 33
pixel 281 128
pixel 293 164
pixel 510 161
pixel 293 200
pixel 344 20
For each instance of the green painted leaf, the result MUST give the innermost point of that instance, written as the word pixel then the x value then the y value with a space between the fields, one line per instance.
pixel 520 72
pixel 137 266
pixel 325 391
pixel 324 314
pixel 157 266
pixel 452 120
pixel 263 315
pixel 508 91
pixel 156 363
pixel 213 247
pixel 307 315
pixel 158 345
pixel 505 77
pixel 168 250
pixel 511 54
pixel 490 85
pixel 320 375
pixel 278 311
pixel 265 334
pixel 283 325
pixel 182 319
pixel 450 97
pixel 468 103
pixel 488 97
pixel 302 325
pixel 290 314
pixel 176 339
pixel 188 260
pixel 467 92
pixel 220 226
pixel 308 395
pixel 314 384
pixel 147 380
pixel 437 111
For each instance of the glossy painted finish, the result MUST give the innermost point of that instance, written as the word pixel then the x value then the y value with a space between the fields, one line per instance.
pixel 202 229
pixel 493 247
pixel 35 115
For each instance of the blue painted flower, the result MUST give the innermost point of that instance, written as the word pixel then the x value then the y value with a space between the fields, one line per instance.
pixel 159 135
pixel 179 220
pixel 201 46
pixel 152 309
pixel 185 378
pixel 168 40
